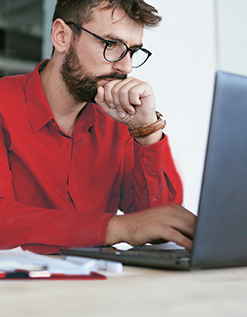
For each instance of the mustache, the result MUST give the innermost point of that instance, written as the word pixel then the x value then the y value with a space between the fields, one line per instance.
pixel 112 76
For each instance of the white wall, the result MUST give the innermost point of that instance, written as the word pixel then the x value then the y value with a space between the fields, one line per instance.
pixel 181 72
pixel 232 35
pixel 48 9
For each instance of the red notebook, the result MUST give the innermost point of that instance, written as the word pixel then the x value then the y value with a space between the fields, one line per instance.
pixel 19 275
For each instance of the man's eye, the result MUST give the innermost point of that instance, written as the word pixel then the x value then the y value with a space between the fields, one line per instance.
pixel 111 45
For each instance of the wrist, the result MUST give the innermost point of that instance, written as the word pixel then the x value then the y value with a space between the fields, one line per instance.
pixel 149 134
pixel 146 130
pixel 113 231
pixel 150 139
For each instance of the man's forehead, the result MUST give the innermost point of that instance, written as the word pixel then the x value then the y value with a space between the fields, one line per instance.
pixel 114 21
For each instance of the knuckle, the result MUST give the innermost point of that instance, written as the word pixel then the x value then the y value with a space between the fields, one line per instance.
pixel 171 234
pixel 114 90
pixel 123 92
pixel 118 107
pixel 108 99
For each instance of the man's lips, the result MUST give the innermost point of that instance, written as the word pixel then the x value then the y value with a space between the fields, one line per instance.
pixel 105 81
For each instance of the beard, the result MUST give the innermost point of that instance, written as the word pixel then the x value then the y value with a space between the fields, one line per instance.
pixel 82 85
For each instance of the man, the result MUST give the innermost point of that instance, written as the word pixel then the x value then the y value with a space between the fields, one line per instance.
pixel 67 164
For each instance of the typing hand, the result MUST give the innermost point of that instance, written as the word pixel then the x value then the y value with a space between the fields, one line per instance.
pixel 170 222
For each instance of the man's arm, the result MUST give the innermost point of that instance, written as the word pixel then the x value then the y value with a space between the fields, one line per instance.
pixel 42 229
pixel 149 177
pixel 131 102
pixel 170 222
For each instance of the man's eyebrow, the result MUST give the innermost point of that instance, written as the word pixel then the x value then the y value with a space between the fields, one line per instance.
pixel 112 37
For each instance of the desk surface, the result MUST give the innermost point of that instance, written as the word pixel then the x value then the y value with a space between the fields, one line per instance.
pixel 136 292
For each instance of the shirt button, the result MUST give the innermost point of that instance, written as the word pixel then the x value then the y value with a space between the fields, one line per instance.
pixel 145 159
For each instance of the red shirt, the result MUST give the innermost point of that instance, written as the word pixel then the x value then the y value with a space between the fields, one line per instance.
pixel 60 191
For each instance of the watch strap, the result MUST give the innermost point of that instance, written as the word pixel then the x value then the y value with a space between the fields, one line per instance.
pixel 159 124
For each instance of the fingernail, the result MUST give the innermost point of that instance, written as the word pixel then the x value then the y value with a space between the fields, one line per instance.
pixel 111 105
pixel 121 115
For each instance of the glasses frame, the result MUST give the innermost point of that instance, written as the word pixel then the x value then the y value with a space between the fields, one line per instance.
pixel 109 42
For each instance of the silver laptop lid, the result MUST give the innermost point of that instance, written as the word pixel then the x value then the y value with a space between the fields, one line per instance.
pixel 221 232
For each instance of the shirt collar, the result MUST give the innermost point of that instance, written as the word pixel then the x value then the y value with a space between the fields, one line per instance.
pixel 39 109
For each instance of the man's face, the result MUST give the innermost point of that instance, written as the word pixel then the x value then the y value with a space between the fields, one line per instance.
pixel 84 67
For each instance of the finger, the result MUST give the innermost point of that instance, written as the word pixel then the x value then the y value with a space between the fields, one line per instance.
pixel 174 223
pixel 189 228
pixel 100 96
pixel 122 95
pixel 181 240
pixel 100 100
pixel 119 95
pixel 113 101
pixel 108 93
pixel 138 92
pixel 182 224
pixel 122 111
pixel 181 219
pixel 177 237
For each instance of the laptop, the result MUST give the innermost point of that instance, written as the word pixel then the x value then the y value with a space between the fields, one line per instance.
pixel 221 231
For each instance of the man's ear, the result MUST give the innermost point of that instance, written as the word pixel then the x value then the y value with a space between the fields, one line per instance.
pixel 61 35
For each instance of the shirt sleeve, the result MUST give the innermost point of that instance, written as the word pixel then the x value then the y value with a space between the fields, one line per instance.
pixel 153 181
pixel 39 229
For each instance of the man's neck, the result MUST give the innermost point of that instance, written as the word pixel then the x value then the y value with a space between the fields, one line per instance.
pixel 62 104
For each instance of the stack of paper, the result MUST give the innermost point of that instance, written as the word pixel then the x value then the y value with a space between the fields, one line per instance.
pixel 17 263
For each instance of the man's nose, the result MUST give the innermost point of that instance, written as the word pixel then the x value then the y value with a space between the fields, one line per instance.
pixel 124 66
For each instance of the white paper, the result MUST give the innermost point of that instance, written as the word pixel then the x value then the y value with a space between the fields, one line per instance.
pixel 13 259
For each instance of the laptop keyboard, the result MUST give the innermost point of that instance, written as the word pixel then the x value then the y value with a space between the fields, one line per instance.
pixel 148 256
pixel 159 253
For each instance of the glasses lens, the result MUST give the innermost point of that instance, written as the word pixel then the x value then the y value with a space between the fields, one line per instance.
pixel 114 51
pixel 139 58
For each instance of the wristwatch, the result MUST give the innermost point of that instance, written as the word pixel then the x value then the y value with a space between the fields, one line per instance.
pixel 159 124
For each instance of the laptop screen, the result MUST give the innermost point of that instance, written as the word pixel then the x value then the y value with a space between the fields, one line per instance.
pixel 221 235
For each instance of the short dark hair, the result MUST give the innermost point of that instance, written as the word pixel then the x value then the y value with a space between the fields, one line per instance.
pixel 81 11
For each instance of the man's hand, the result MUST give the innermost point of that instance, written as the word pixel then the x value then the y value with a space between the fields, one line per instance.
pixel 129 101
pixel 170 222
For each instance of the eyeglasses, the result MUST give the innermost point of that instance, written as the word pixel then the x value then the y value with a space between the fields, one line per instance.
pixel 115 50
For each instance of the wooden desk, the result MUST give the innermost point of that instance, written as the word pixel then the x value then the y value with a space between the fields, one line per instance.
pixel 137 292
